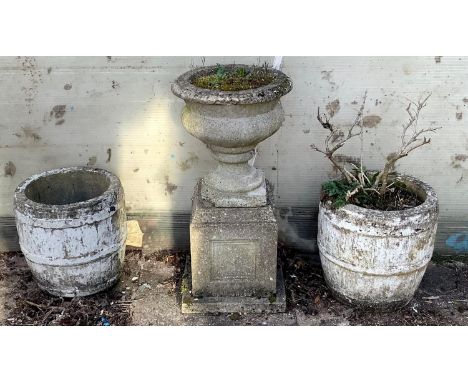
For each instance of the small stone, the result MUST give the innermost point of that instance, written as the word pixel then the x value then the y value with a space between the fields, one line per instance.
pixel 143 287
pixel 135 278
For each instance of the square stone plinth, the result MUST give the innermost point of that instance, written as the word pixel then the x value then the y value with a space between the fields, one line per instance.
pixel 233 253
pixel 274 303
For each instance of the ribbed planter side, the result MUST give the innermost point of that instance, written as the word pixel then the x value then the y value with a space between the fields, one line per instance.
pixel 378 258
pixel 72 229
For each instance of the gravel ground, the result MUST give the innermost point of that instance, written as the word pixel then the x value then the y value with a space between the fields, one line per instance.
pixel 148 294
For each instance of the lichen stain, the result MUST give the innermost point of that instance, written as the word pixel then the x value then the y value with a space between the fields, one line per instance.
pixel 67 86
pixel 170 187
pixel 406 70
pixel 457 159
pixel 49 70
pixel 109 155
pixel 333 107
pixel 92 161
pixel 459 115
pixel 438 59
pixel 10 169
pixel 188 163
pixel 136 169
pixel 371 121
pixel 181 144
pixel 306 131
pixel 29 132
pixel 58 111
pixel 60 122
pixel 326 75
pixel 29 67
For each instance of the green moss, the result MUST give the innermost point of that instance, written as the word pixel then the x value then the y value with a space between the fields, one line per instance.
pixel 187 300
pixel 445 259
pixel 272 298
pixel 235 79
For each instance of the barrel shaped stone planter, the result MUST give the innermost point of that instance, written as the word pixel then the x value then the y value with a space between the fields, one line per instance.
pixel 378 258
pixel 72 229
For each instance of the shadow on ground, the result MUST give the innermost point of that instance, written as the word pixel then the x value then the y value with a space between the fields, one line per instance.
pixel 148 294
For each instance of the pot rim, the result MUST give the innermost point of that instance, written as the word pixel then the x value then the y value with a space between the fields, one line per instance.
pixel 22 203
pixel 430 203
pixel 183 88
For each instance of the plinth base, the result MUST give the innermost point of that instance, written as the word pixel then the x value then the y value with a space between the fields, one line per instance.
pixel 254 198
pixel 275 303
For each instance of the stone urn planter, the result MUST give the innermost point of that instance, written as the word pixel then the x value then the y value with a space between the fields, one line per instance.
pixel 231 124
pixel 233 229
pixel 377 258
pixel 72 229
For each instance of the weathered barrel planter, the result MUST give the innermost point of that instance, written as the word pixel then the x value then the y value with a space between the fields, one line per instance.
pixel 378 258
pixel 72 229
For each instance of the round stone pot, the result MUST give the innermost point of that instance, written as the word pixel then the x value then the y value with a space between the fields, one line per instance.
pixel 231 124
pixel 376 258
pixel 72 229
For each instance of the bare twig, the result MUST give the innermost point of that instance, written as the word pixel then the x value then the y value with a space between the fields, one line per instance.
pixel 408 142
pixel 412 138
pixel 338 137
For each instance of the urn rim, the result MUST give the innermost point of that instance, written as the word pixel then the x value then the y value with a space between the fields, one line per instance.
pixel 183 88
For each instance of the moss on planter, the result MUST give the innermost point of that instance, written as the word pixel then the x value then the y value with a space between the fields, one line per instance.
pixel 235 78
pixel 397 198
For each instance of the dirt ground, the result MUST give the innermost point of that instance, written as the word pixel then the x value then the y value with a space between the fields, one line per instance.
pixel 149 294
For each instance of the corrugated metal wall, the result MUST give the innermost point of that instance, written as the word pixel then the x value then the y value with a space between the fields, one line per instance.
pixel 118 113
